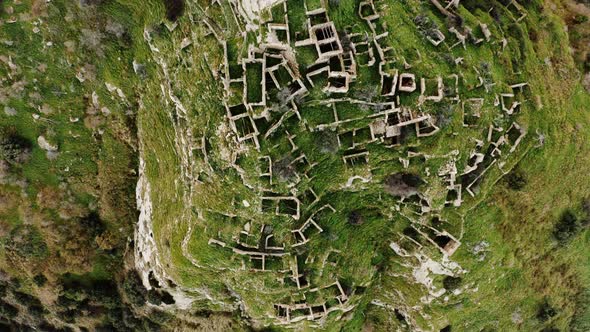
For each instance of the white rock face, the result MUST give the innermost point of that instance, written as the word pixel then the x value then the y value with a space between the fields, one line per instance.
pixel 425 267
pixel 146 251
pixel 45 145
pixel 251 10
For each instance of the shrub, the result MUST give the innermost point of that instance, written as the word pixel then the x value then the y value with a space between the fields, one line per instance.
pixel 581 318
pixel 545 311
pixel 93 224
pixel 174 9
pixel 8 310
pixel 403 184
pixel 26 299
pixel 326 141
pixel 451 283
pixel 40 280
pixel 14 148
pixel 37 311
pixel 68 300
pixel 586 206
pixel 105 292
pixel 567 227
pixel 586 210
pixel 579 19
pixel 26 241
pixel 355 218
pixel 516 179
pixel 377 259
pixel 158 297
pixel 136 293
pixel 69 315
pixel 153 297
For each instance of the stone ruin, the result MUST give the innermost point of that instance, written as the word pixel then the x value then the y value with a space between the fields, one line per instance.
pixel 288 72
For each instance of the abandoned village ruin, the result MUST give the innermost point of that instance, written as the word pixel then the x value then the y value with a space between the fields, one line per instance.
pixel 298 85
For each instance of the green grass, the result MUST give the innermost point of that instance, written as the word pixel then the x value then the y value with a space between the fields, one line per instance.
pixel 93 168
pixel 522 266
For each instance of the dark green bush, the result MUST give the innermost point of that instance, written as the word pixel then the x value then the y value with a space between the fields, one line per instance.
pixel 154 297
pixel 40 280
pixel 567 227
pixel 579 19
pixel 93 224
pixel 516 179
pixel 355 218
pixel 37 311
pixel 8 310
pixel 26 299
pixel 451 283
pixel 14 148
pixel 134 289
pixel 174 9
pixel 545 311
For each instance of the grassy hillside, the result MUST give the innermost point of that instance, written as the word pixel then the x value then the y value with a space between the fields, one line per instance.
pixel 526 269
pixel 89 88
